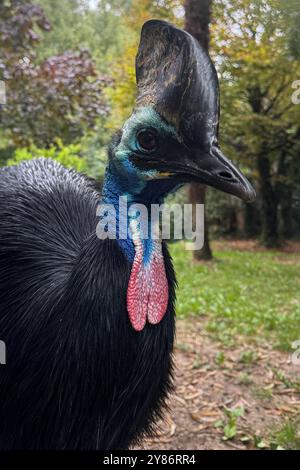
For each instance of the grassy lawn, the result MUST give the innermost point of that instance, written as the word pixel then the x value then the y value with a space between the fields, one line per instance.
pixel 236 386
pixel 242 293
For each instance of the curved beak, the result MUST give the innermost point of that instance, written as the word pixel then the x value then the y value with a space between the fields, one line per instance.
pixel 209 167
pixel 214 169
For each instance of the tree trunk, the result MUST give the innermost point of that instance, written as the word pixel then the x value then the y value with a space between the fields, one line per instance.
pixel 285 214
pixel 285 198
pixel 197 20
pixel 269 209
pixel 269 203
pixel 196 196
pixel 250 226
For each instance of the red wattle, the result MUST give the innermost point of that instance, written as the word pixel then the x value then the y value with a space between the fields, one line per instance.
pixel 147 293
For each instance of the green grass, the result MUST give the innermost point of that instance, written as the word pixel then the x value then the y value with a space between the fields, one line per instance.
pixel 255 294
pixel 287 436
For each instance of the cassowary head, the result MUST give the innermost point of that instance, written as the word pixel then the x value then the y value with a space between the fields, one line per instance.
pixel 173 131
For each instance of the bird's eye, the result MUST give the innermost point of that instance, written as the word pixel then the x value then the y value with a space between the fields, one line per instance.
pixel 147 140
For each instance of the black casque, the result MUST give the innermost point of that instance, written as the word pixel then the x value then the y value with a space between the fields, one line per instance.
pixel 177 78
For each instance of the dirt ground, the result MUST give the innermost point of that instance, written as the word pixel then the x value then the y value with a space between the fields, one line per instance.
pixel 210 379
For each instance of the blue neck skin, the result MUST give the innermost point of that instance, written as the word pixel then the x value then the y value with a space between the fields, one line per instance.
pixel 124 181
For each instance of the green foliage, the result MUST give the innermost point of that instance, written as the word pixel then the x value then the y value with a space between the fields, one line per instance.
pixel 254 294
pixel 69 156
pixel 230 425
pixel 94 149
pixel 220 358
pixel 291 14
pixel 248 357
pixel 232 415
pixel 244 378
pixel 60 97
pixel 288 383
pixel 256 75
pixel 287 436
pixel 96 26
pixel 259 442
pixel 259 123
pixel 264 394
pixel 123 92
pixel 21 22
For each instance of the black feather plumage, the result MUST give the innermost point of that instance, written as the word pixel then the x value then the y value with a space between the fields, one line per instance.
pixel 77 375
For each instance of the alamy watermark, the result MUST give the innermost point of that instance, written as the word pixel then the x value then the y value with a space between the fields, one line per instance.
pixel 2 93
pixel 296 95
pixel 153 222
pixel 2 352
pixel 295 356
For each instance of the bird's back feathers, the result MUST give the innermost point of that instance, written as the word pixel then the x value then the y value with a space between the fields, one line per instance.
pixel 77 375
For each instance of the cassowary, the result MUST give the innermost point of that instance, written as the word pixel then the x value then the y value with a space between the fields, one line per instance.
pixel 88 323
